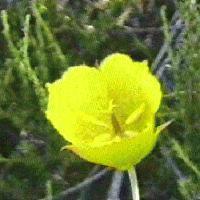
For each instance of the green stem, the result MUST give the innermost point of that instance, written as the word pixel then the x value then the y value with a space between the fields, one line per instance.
pixel 134 184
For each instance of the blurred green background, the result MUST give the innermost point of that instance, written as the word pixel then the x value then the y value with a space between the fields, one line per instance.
pixel 40 39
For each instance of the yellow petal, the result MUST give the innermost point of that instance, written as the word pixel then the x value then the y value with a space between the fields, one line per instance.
pixel 121 154
pixel 76 102
pixel 135 114
pixel 130 84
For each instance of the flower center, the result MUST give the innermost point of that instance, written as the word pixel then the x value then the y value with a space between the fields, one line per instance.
pixel 116 125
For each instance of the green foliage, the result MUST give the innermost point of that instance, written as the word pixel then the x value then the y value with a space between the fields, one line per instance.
pixel 41 40
pixel 186 104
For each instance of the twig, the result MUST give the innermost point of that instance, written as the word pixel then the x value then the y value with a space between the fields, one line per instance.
pixel 7 34
pixel 81 185
pixel 114 190
pixel 172 164
pixel 124 16
pixel 94 170
pixel 182 155
pixel 143 30
pixel 26 68
pixel 84 191
pixel 49 34
pixel 160 56
pixel 174 94
pixel 163 59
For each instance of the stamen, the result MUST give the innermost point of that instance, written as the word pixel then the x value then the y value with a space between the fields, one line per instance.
pixel 135 115
pixel 118 129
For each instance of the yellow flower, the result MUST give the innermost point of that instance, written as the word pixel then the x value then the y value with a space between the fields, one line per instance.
pixel 107 113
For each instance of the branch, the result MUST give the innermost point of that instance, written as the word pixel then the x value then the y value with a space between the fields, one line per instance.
pixel 172 164
pixel 81 185
pixel 114 190
pixel 163 59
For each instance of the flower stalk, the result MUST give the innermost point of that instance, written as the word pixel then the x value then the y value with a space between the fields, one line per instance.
pixel 134 184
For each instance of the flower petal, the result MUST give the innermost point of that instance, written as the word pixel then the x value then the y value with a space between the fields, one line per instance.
pixel 77 103
pixel 122 153
pixel 135 115
pixel 130 84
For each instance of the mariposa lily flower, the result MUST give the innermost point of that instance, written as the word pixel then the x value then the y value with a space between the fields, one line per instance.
pixel 107 113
